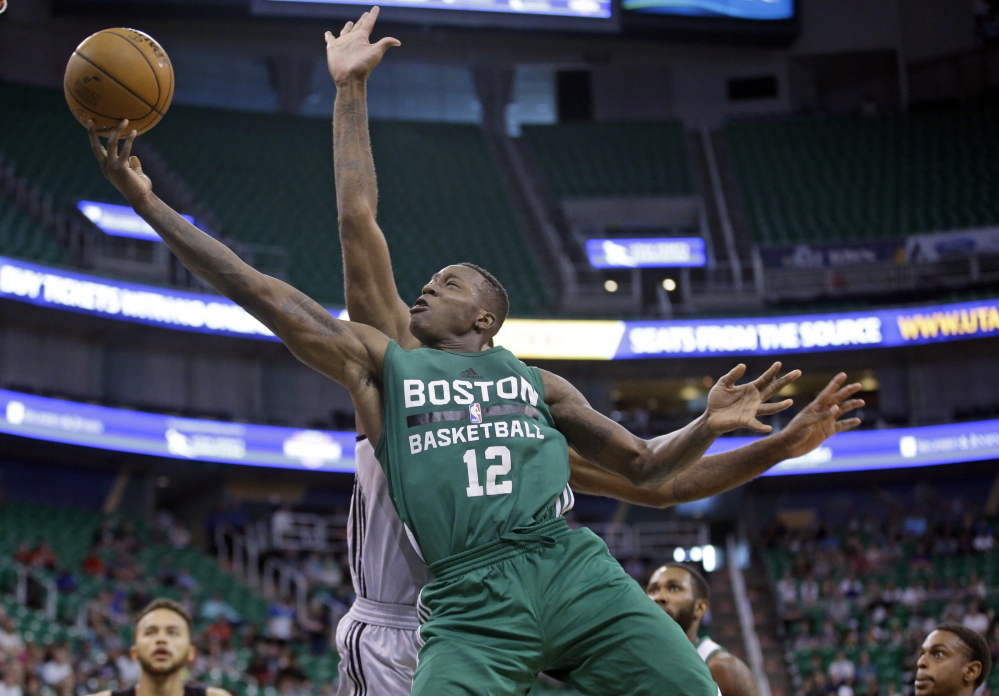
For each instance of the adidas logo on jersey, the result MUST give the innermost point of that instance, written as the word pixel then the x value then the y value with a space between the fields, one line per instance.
pixel 470 373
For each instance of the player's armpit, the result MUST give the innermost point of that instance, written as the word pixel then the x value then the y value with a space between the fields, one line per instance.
pixel 733 676
pixel 588 478
pixel 595 437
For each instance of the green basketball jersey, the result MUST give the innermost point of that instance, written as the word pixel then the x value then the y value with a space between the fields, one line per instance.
pixel 469 447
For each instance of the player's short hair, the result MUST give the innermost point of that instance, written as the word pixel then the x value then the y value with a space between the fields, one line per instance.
pixel 497 299
pixel 700 584
pixel 164 603
pixel 977 648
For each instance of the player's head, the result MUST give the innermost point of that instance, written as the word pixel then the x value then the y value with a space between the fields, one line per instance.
pixel 953 660
pixel 163 638
pixel 459 300
pixel 682 593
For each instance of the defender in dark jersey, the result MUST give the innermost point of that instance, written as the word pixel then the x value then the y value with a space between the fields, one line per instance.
pixel 683 593
pixel 163 650
pixel 503 607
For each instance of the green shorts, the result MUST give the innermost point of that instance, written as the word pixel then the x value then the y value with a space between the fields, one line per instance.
pixel 554 602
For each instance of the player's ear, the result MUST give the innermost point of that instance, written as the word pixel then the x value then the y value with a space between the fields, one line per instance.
pixel 971 671
pixel 133 653
pixel 486 321
pixel 701 607
pixel 190 654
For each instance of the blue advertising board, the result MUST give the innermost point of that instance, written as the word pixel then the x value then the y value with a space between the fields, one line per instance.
pixel 568 339
pixel 120 220
pixel 663 252
pixel 762 10
pixel 121 430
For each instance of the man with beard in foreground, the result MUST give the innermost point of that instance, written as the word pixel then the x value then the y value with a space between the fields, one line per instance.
pixel 683 593
pixel 954 660
pixel 163 650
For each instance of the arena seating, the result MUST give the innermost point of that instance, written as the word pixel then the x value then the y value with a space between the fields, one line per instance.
pixel 71 532
pixel 611 160
pixel 269 179
pixel 875 585
pixel 20 237
pixel 851 179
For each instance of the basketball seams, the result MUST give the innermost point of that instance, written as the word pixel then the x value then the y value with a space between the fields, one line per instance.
pixel 107 116
pixel 117 82
pixel 159 87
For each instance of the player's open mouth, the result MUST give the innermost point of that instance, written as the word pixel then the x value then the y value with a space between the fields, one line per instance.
pixel 419 306
pixel 162 654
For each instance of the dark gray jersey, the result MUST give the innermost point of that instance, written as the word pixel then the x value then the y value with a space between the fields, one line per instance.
pixel 384 565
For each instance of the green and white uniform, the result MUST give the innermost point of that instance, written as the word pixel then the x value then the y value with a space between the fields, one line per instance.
pixel 479 475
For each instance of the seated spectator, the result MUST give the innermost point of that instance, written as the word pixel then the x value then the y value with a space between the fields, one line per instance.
pixel 185 580
pixel 167 574
pixel 65 582
pixel 976 619
pixel 25 554
pixel 850 586
pixel 10 638
pixel 787 590
pixel 93 564
pixel 219 631
pixel 841 669
pixel 809 591
pixel 846 688
pixel 44 557
pixel 127 669
pixel 281 620
pixel 10 685
pixel 57 672
pixel 866 672
pixel 215 607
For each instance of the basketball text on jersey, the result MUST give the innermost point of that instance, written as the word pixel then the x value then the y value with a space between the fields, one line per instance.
pixel 472 396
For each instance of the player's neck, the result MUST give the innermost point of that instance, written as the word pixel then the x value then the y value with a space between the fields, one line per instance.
pixel 160 685
pixel 471 343
pixel 691 633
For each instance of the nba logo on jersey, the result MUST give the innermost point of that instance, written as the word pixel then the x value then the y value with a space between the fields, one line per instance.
pixel 475 413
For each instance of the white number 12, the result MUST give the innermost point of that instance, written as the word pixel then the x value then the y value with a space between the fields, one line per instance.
pixel 474 490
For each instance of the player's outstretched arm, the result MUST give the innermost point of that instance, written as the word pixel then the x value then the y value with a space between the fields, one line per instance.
pixel 651 463
pixel 372 297
pixel 717 473
pixel 344 351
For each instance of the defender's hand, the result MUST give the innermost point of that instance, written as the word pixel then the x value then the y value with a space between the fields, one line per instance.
pixel 732 406
pixel 817 422
pixel 121 168
pixel 352 56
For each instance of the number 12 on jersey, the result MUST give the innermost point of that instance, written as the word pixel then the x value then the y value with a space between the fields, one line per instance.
pixel 475 490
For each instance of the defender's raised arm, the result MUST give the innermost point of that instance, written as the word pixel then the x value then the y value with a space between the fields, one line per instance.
pixel 372 297
pixel 346 352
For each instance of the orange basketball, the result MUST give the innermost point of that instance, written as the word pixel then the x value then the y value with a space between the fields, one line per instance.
pixel 116 74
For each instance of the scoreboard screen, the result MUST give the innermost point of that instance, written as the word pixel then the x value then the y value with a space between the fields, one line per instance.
pixel 570 15
pixel 762 10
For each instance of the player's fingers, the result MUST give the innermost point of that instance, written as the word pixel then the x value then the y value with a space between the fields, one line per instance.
pixel 95 142
pixel 126 152
pixel 847 391
pixel 774 387
pixel 847 424
pixel 387 43
pixel 758 426
pixel 833 385
pixel 733 375
pixel 346 28
pixel 113 138
pixel 767 376
pixel 851 405
pixel 364 23
pixel 777 407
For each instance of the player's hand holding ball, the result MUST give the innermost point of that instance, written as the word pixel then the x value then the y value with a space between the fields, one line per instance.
pixel 121 168
pixel 352 55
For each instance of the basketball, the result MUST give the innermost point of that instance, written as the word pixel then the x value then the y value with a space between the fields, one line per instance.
pixel 119 73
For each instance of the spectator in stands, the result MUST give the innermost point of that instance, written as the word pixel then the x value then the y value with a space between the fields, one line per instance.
pixel 866 672
pixel 809 590
pixel 65 582
pixel 126 667
pixel 893 690
pixel 846 688
pixel 10 638
pixel 10 685
pixel 220 631
pixel 57 672
pixel 976 619
pixel 167 574
pixel 212 608
pixel 787 590
pixel 841 669
pixel 983 541
pixel 185 580
pixel 93 564
pixel 851 587
pixel 280 620
pixel 819 685
pixel 953 661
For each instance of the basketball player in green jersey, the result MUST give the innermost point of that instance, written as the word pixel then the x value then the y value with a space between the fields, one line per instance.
pixel 474 445
pixel 683 593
